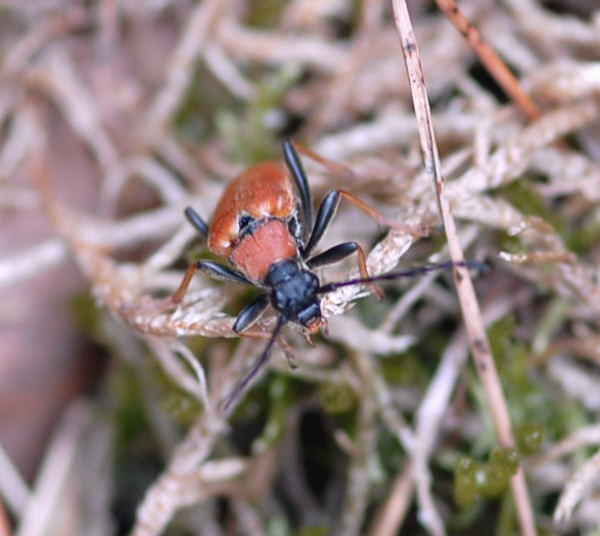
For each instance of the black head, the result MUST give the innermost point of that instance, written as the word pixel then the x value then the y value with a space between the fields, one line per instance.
pixel 294 293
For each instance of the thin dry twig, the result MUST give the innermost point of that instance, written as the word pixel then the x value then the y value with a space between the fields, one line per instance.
pixel 478 341
pixel 45 497
pixel 489 58
pixel 388 519
pixel 590 435
pixel 13 488
pixel 577 488
pixel 4 522
pixel 32 261
pixel 180 69
pixel 358 487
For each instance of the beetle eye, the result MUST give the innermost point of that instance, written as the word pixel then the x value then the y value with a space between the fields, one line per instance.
pixel 244 220
pixel 294 227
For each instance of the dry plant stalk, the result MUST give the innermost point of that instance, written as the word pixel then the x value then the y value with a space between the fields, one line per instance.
pixel 112 144
pixel 489 58
pixel 478 341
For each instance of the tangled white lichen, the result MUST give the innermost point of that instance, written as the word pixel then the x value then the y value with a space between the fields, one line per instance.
pixel 117 116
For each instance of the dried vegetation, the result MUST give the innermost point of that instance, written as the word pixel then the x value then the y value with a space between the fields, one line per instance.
pixel 116 115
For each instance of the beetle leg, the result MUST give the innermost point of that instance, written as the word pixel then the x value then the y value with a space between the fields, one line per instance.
pixel 281 342
pixel 196 220
pixel 222 273
pixel 185 283
pixel 212 269
pixel 337 253
pixel 328 208
pixel 332 255
pixel 325 214
pixel 380 218
pixel 291 358
pixel 251 313
pixel 202 227
pixel 295 166
pixel 334 168
pixel 347 174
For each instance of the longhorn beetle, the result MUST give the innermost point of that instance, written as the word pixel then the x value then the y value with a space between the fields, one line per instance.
pixel 268 234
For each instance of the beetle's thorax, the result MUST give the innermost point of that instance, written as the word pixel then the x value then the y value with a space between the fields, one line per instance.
pixel 268 243
pixel 294 293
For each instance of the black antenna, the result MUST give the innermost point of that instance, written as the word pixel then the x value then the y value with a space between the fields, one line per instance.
pixel 257 365
pixel 330 287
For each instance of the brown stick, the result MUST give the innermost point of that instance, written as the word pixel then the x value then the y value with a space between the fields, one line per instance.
pixel 478 341
pixel 390 515
pixel 493 63
pixel 4 523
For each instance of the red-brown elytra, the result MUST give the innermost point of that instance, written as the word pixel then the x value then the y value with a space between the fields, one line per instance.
pixel 263 225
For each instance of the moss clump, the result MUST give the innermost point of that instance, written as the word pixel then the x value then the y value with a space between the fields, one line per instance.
pixel 474 480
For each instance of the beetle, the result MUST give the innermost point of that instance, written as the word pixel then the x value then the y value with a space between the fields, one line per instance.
pixel 267 233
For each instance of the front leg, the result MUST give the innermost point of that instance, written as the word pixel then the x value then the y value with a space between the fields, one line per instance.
pixel 341 251
pixel 328 209
pixel 325 215
pixel 251 313
pixel 333 255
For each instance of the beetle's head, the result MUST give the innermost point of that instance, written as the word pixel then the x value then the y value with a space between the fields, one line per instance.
pixel 294 293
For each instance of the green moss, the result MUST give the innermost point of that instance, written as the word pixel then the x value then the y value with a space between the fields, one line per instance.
pixel 512 357
pixel 390 452
pixel 536 411
pixel 372 311
pixel 196 117
pixel 86 314
pixel 278 526
pixel 499 333
pixel 403 369
pixel 524 198
pixel 314 530
pixel 130 415
pixel 550 323
pixel 506 524
pixel 264 13
pixel 507 459
pixel 250 133
pixel 466 491
pixel 336 398
pixel 529 438
pixel 282 394
pixel 491 480
pixel 475 480
pixel 175 402
pixel 583 237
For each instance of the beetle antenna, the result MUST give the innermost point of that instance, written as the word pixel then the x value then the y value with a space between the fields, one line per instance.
pixel 391 276
pixel 256 366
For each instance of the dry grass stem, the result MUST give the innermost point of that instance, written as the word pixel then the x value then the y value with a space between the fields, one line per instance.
pixel 478 340
pixel 577 488
pixel 15 490
pixel 388 519
pixel 489 58
pixel 45 498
